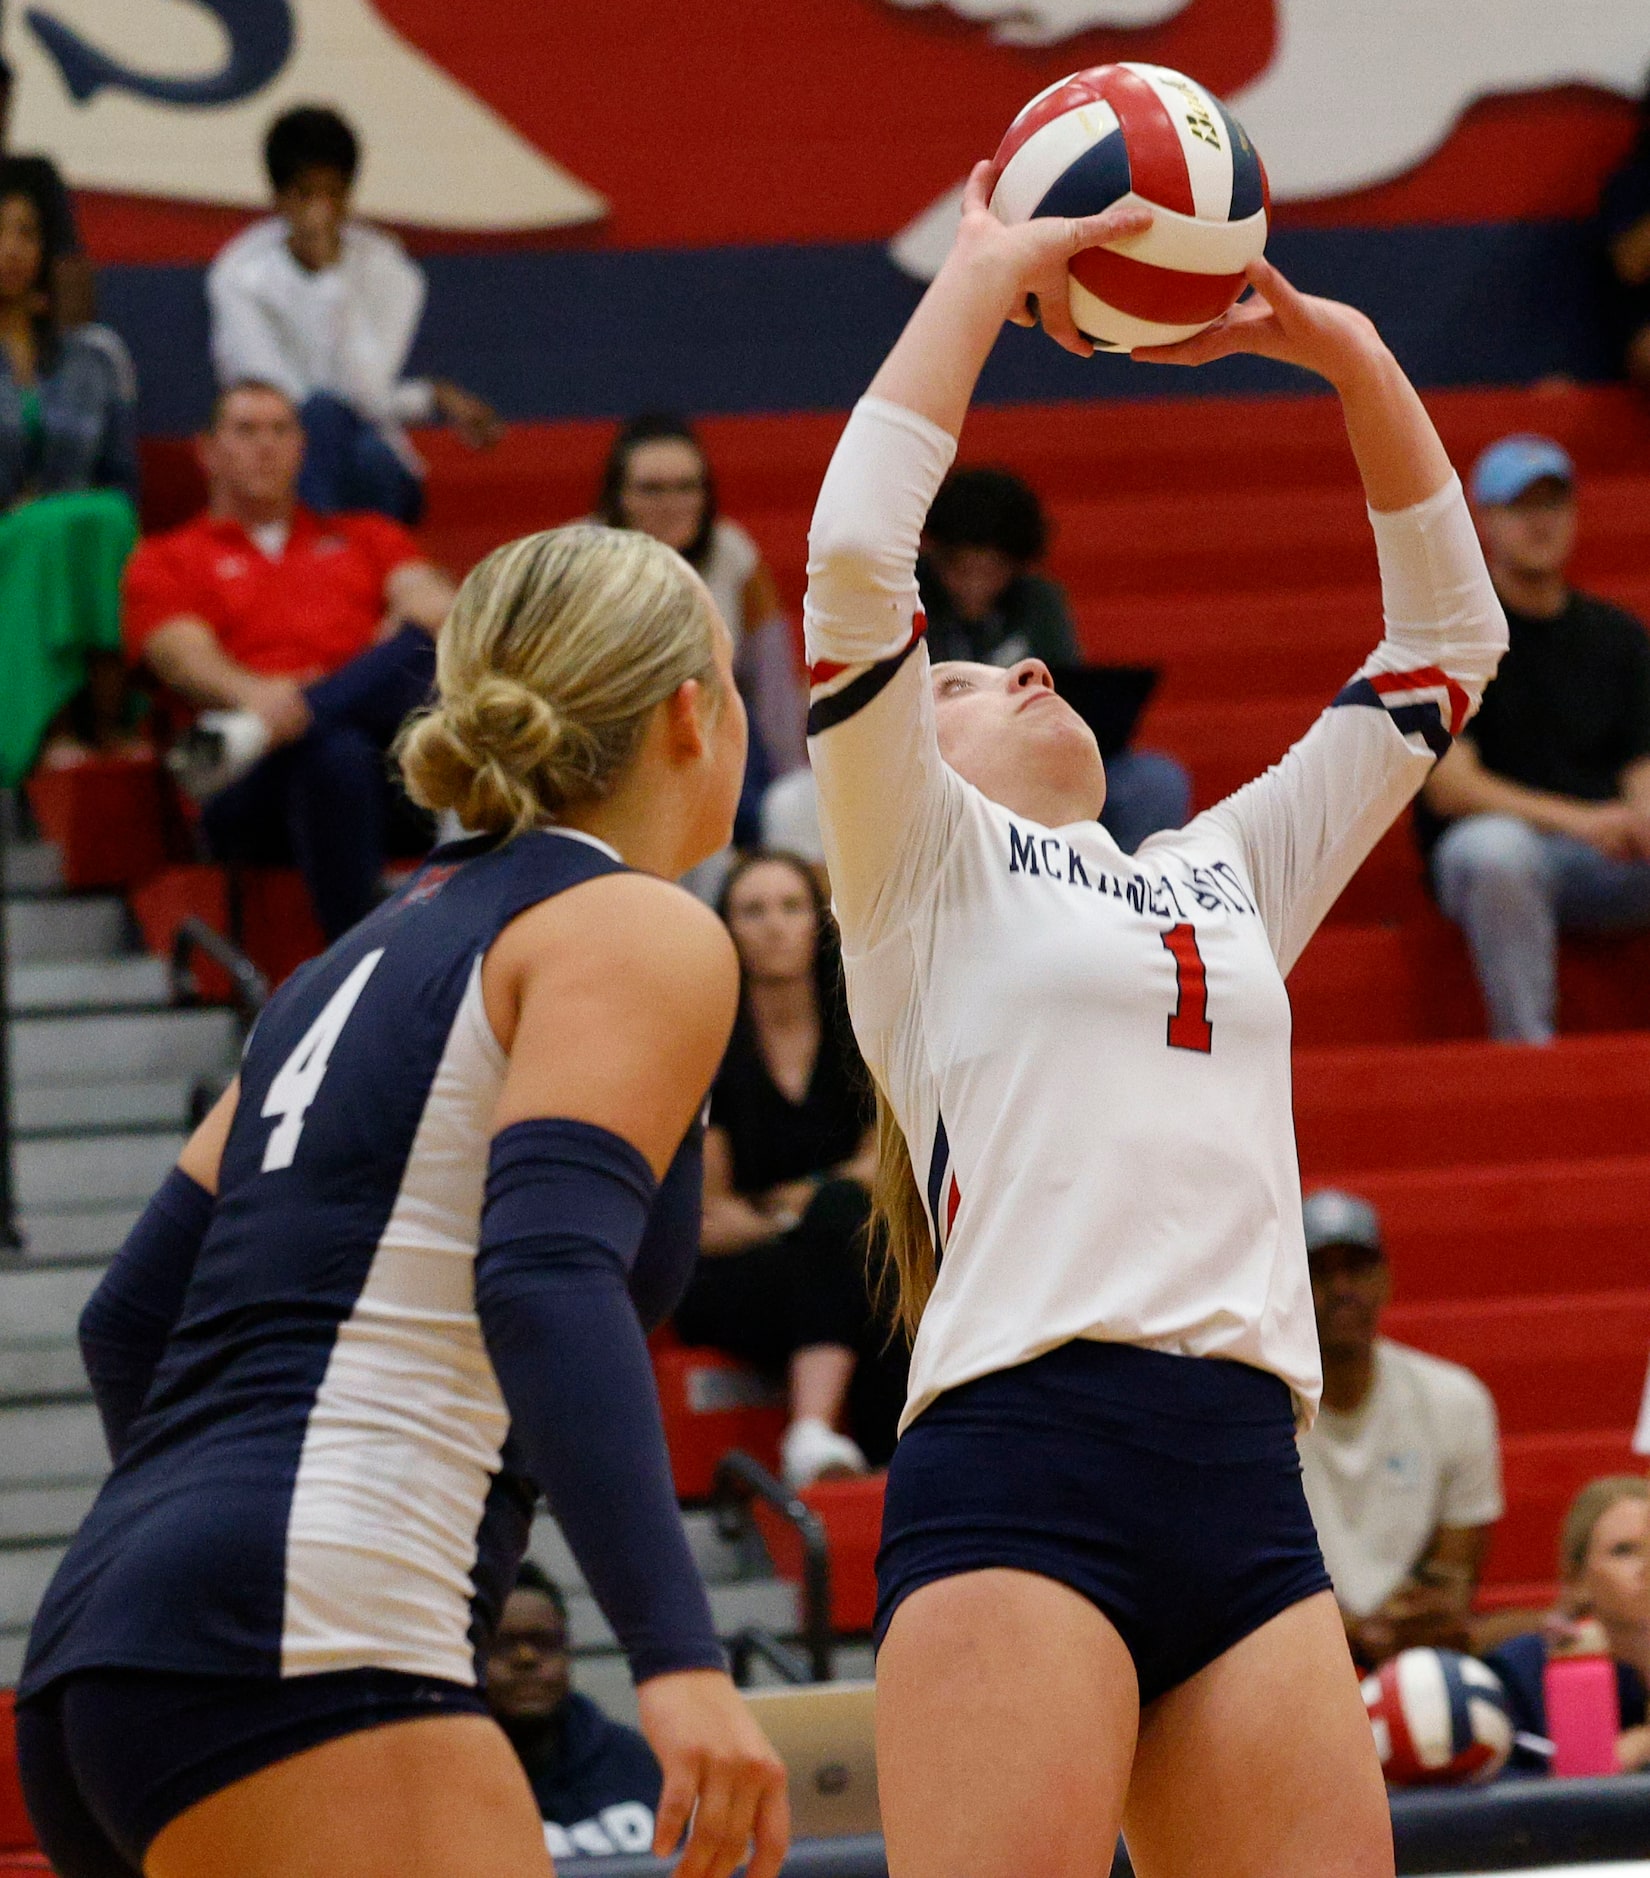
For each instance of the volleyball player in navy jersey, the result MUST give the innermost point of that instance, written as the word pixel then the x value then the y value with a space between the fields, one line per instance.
pixel 1100 1596
pixel 399 1283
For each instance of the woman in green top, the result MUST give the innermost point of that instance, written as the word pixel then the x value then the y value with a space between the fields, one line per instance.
pixel 68 481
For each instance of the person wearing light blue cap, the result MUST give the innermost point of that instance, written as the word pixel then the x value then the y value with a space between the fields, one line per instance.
pixel 1538 819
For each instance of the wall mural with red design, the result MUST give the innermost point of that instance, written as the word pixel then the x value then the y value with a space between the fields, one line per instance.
pixel 734 197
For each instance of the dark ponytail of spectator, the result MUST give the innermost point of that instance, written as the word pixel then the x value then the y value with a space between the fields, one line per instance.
pixel 20 177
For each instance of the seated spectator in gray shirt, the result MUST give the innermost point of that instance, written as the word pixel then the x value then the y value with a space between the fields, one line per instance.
pixel 1402 1468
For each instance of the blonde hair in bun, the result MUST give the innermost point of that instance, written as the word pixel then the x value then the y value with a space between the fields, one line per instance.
pixel 556 650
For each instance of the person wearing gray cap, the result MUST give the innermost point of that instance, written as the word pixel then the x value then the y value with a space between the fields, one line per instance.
pixel 1402 1468
pixel 1538 818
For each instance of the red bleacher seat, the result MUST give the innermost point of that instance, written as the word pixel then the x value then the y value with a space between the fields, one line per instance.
pixel 1542 1473
pixel 712 1405
pixel 1514 1229
pixel 1401 983
pixel 1564 1362
pixel 16 1834
pixel 265 910
pixel 108 817
pixel 1452 1104
pixel 852 1513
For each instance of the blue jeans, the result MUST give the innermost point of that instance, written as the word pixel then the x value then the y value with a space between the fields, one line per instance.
pixel 327 801
pixel 1512 888
pixel 347 465
pixel 1146 792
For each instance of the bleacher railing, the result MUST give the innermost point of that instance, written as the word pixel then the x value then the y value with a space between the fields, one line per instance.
pixel 740 1479
pixel 1516 1826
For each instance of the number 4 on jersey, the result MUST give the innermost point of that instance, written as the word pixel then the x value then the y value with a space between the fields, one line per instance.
pixel 1189 1027
pixel 298 1080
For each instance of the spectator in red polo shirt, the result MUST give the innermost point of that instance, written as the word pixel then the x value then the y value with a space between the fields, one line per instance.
pixel 303 642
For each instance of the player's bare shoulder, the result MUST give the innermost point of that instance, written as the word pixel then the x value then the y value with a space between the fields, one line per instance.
pixel 620 939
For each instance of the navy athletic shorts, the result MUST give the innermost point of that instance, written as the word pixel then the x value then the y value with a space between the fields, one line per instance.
pixel 110 1756
pixel 1164 1489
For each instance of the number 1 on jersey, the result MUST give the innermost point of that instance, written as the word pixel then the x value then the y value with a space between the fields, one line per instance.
pixel 1189 1027
pixel 298 1080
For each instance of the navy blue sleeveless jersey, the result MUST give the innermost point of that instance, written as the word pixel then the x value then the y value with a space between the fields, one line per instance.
pixel 321 1476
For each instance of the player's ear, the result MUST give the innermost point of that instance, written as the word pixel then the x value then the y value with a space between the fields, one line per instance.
pixel 688 714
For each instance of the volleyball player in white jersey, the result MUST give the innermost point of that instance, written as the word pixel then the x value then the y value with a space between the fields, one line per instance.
pixel 398 1285
pixel 1101 1600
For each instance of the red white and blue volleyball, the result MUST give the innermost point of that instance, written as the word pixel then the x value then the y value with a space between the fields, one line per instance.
pixel 1143 134
pixel 1440 1719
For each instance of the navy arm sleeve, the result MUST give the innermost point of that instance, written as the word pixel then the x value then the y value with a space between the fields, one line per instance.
pixel 566 1210
pixel 670 1245
pixel 128 1318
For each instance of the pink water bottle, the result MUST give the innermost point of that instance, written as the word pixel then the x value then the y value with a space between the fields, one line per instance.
pixel 1583 1713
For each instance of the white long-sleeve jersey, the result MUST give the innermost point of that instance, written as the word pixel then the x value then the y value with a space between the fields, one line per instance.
pixel 1088 1052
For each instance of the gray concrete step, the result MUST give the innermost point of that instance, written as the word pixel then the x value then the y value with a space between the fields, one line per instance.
pixel 769 1603
pixel 95 1107
pixel 50 1444
pixel 44 1515
pixel 43 1304
pixel 76 926
pixel 719 1561
pixel 25 1571
pixel 11 1655
pixel 51 1233
pixel 32 867
pixel 39 1369
pixel 127 1047
pixel 134 984
pixel 103 1170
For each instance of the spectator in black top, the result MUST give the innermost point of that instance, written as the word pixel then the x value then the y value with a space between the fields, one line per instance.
pixel 597 1783
pixel 1625 214
pixel 72 282
pixel 782 1276
pixel 1538 818
pixel 984 602
pixel 1604 1561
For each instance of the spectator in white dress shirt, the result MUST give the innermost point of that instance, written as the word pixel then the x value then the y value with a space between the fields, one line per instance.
pixel 1402 1468
pixel 325 308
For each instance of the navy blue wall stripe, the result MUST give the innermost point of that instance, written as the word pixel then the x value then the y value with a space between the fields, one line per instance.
pixel 597 334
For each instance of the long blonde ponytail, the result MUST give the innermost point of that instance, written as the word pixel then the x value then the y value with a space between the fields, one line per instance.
pixel 899 1226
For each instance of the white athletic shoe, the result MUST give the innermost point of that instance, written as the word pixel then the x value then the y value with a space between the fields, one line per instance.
pixel 216 750
pixel 812 1450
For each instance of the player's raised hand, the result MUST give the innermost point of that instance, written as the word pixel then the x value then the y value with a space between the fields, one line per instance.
pixel 719 1771
pixel 1278 322
pixel 1033 256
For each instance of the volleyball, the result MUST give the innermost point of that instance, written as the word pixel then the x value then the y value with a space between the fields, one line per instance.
pixel 1439 1719
pixel 1146 134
